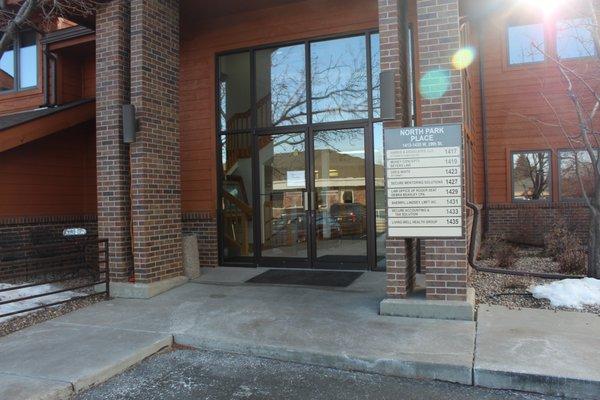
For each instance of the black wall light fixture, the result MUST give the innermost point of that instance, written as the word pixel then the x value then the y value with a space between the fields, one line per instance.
pixel 388 95
pixel 129 123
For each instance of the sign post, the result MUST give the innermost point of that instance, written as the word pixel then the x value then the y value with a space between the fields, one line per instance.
pixel 424 181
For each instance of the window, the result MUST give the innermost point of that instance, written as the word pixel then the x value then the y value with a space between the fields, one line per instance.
pixel 339 79
pixel 269 87
pixel 531 176
pixel 268 99
pixel 576 172
pixel 375 72
pixel 236 199
pixel 380 195
pixel 281 86
pixel 526 44
pixel 574 38
pixel 7 70
pixel 234 96
pixel 410 68
pixel 19 64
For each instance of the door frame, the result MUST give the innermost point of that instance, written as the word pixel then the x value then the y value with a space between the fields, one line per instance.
pixel 345 262
pixel 309 128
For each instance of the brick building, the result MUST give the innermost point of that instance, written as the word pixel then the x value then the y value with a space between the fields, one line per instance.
pixel 261 124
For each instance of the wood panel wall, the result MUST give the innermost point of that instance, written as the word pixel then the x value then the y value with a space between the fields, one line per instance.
pixel 201 40
pixel 55 175
pixel 513 97
pixel 76 73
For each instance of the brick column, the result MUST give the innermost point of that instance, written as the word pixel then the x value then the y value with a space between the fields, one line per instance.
pixel 392 31
pixel 155 163
pixel 439 38
pixel 112 158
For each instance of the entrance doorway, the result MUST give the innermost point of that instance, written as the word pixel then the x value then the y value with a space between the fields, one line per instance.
pixel 313 198
pixel 301 168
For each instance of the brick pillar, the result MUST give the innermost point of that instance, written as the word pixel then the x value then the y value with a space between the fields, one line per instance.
pixel 392 31
pixel 112 158
pixel 155 164
pixel 439 38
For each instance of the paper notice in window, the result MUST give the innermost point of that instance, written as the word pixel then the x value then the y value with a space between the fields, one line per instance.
pixel 296 179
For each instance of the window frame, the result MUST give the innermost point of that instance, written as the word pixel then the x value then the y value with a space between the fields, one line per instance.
pixel 545 35
pixel 17 64
pixel 256 132
pixel 550 27
pixel 561 198
pixel 511 185
pixel 370 117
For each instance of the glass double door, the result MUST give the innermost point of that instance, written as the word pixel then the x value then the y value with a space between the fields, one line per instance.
pixel 313 199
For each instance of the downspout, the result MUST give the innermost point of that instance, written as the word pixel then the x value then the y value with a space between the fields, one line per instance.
pixel 45 73
pixel 50 64
pixel 484 131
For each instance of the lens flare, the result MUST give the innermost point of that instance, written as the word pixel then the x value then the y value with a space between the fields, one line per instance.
pixel 463 58
pixel 547 7
pixel 434 84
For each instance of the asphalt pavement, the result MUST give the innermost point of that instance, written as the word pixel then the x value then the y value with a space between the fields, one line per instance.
pixel 192 374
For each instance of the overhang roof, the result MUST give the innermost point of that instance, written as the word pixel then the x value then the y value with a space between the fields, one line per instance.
pixel 26 126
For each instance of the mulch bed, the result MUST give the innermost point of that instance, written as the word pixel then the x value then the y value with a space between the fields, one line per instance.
pixel 511 291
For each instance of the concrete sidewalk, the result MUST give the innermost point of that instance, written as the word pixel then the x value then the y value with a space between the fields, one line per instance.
pixel 337 328
pixel 543 351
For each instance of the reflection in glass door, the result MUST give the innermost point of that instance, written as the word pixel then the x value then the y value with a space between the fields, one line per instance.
pixel 282 177
pixel 340 191
pixel 302 179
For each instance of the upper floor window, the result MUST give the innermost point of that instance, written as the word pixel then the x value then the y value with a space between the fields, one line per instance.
pixel 531 175
pixel 574 38
pixel 526 44
pixel 19 64
pixel 314 81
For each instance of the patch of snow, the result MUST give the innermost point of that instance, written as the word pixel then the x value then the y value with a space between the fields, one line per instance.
pixel 31 291
pixel 571 293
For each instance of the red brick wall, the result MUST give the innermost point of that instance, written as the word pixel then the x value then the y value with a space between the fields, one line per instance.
pixel 445 261
pixel 400 265
pixel 112 90
pixel 204 226
pixel 527 223
pixel 155 165
pixel 40 230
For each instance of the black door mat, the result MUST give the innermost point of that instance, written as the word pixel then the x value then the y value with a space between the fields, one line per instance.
pixel 306 278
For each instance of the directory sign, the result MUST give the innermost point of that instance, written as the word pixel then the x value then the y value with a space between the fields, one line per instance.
pixel 424 181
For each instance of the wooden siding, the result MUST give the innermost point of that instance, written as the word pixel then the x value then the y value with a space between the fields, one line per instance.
pixel 55 175
pixel 76 74
pixel 201 40
pixel 513 96
pixel 474 128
